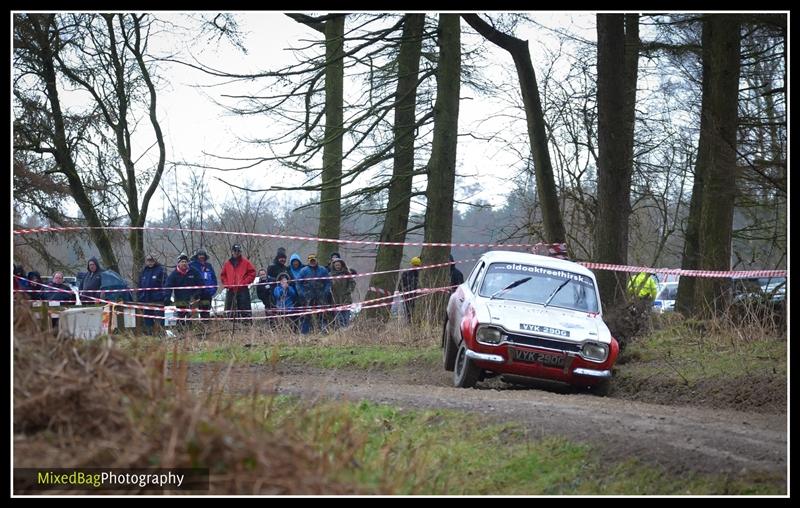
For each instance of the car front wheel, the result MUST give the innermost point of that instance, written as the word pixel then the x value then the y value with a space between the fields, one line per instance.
pixel 465 372
pixel 601 389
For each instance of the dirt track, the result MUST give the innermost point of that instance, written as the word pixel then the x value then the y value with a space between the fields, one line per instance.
pixel 680 438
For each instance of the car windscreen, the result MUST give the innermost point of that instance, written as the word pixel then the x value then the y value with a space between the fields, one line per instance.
pixel 578 291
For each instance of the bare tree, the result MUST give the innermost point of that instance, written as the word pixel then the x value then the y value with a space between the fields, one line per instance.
pixel 442 165
pixel 617 64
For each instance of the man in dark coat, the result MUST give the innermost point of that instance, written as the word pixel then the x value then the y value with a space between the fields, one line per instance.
pixel 185 299
pixel 200 263
pixel 90 285
pixel 314 292
pixel 152 280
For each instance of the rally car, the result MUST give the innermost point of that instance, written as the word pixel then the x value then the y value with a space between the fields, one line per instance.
pixel 527 315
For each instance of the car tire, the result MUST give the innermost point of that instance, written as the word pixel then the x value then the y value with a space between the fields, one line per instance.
pixel 449 354
pixel 601 389
pixel 465 372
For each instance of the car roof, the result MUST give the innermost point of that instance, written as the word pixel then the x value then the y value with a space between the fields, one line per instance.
pixel 507 256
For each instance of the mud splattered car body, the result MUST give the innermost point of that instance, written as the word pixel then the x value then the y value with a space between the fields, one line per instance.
pixel 527 315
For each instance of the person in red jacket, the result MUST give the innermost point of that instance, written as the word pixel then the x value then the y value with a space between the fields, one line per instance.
pixel 237 274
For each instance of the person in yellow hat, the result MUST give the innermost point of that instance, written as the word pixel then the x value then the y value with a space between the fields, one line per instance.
pixel 409 281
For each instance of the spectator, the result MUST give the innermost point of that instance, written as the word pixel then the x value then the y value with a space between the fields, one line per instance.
pixel 409 281
pixel 90 285
pixel 37 290
pixel 642 286
pixel 285 297
pixel 200 263
pixel 342 290
pixel 263 288
pixel 151 283
pixel 295 267
pixel 334 257
pixel 59 292
pixel 237 275
pixel 277 267
pixel 314 292
pixel 183 282
pixel 456 277
pixel 20 282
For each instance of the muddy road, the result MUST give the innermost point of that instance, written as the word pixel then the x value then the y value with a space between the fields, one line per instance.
pixel 679 438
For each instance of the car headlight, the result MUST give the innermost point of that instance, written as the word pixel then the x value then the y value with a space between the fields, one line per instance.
pixel 594 351
pixel 490 335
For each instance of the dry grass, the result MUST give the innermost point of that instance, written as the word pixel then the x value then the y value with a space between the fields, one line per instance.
pixel 89 404
pixel 361 332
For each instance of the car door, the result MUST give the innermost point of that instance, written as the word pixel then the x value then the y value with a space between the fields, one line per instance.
pixel 464 297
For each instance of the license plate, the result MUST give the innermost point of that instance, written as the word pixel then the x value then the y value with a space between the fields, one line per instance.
pixel 549 359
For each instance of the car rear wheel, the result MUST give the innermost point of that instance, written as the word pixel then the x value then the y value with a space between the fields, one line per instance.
pixel 465 372
pixel 449 355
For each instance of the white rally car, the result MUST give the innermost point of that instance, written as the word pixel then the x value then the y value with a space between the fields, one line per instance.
pixel 528 315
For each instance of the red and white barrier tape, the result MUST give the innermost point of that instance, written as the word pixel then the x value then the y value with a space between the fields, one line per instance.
pixel 685 273
pixel 283 314
pixel 313 309
pixel 268 235
pixel 590 265
pixel 329 277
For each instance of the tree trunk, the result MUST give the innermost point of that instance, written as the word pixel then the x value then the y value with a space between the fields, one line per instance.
pixel 330 210
pixel 545 182
pixel 40 24
pixel 396 220
pixel 442 164
pixel 617 71
pixel 716 217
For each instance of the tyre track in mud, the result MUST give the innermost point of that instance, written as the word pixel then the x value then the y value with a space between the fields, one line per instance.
pixel 682 439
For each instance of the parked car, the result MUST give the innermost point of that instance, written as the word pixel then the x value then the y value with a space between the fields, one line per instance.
pixel 528 315
pixel 666 295
pixel 759 289
pixel 257 307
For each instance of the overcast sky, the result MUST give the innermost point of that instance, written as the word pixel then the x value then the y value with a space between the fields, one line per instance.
pixel 193 124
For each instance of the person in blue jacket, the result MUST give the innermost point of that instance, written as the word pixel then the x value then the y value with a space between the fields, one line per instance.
pixel 186 298
pixel 313 292
pixel 295 267
pixel 200 263
pixel 285 297
pixel 152 280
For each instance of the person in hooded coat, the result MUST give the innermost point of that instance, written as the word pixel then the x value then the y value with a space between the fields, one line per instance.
pixel 90 285
pixel 295 267
pixel 342 290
